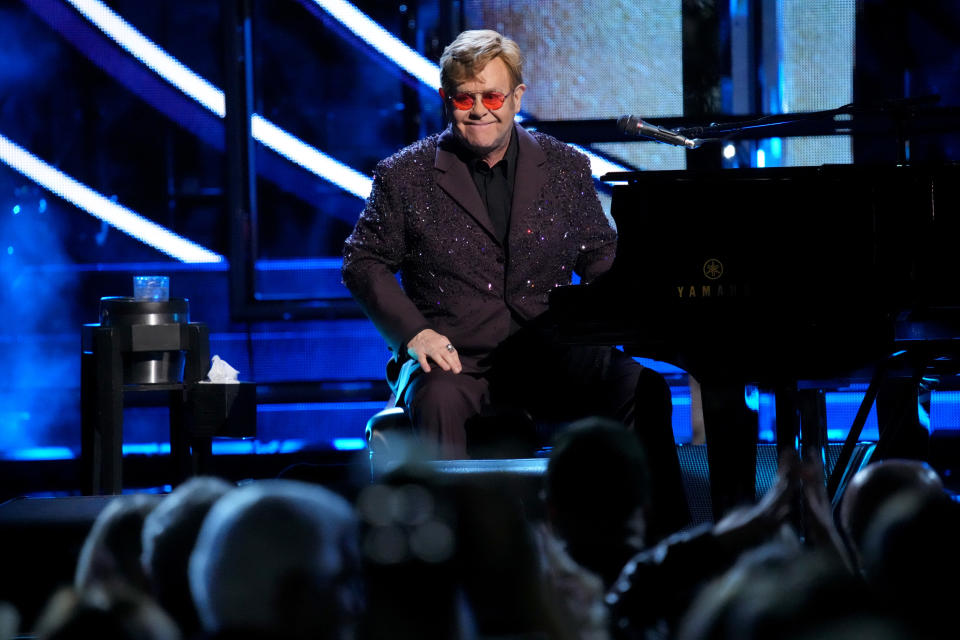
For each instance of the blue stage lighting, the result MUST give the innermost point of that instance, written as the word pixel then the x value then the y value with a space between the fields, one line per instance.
pixel 38 453
pixel 144 50
pixel 133 224
pixel 751 397
pixel 174 72
pixel 311 159
pixel 383 41
pixel 264 131
pixel 349 444
pixel 599 166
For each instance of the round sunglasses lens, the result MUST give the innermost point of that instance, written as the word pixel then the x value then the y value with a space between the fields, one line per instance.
pixel 493 100
pixel 462 101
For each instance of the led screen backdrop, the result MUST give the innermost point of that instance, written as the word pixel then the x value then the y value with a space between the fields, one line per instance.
pixel 816 72
pixel 597 59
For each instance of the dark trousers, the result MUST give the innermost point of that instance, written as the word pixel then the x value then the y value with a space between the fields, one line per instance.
pixel 533 373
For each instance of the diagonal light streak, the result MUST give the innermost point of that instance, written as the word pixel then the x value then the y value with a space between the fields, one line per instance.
pixel 131 223
pixel 264 131
pixel 383 41
pixel 310 158
pixel 212 98
pixel 153 56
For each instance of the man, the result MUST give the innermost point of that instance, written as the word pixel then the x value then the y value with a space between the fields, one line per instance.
pixel 482 221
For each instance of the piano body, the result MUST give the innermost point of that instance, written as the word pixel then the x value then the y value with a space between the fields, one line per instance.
pixel 775 277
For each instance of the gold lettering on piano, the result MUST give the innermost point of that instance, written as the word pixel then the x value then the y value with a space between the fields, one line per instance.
pixel 713 270
pixel 707 291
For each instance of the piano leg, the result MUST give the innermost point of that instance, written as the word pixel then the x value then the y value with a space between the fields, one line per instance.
pixel 813 422
pixel 801 420
pixel 812 409
pixel 696 412
pixel 731 432
pixel 787 404
pixel 898 415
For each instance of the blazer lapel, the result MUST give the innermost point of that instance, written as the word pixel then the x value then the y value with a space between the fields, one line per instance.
pixel 530 178
pixel 455 179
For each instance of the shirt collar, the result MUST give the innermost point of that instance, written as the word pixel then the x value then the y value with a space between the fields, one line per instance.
pixel 473 161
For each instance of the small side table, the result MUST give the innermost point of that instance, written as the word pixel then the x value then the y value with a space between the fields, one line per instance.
pixel 198 411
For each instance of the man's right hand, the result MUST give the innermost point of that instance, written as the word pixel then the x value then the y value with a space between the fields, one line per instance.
pixel 430 344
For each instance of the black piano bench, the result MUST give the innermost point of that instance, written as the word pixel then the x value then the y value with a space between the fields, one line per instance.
pixel 498 433
pixel 392 420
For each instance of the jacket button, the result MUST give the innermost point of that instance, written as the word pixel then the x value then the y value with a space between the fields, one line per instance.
pixel 500 260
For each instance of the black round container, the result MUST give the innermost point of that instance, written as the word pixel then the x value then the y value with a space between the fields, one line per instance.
pixel 147 367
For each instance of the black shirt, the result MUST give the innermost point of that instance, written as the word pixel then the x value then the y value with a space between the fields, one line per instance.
pixel 496 186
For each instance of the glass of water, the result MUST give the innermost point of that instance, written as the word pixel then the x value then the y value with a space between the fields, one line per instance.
pixel 151 288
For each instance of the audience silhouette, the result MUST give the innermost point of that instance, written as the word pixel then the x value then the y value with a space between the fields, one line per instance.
pixel 782 590
pixel 910 558
pixel 597 491
pixel 111 551
pixel 408 542
pixel 874 486
pixel 278 558
pixel 423 554
pixel 170 533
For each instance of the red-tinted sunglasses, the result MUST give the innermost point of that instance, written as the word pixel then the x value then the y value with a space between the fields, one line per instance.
pixel 492 100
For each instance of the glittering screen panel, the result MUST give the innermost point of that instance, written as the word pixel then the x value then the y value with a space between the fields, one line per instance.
pixel 596 59
pixel 816 72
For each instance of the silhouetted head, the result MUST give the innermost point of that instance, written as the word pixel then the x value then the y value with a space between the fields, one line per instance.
pixel 872 487
pixel 169 535
pixel 709 615
pixel 597 488
pixel 785 594
pixel 910 558
pixel 111 551
pixel 278 557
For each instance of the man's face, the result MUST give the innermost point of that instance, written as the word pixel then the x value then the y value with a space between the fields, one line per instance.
pixel 486 131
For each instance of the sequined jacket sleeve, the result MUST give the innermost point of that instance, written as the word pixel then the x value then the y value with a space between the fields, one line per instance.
pixel 598 238
pixel 373 254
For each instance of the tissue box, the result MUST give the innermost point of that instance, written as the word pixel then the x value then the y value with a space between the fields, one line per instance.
pixel 225 410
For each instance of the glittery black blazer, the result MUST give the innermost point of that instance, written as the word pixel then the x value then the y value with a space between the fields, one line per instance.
pixel 425 219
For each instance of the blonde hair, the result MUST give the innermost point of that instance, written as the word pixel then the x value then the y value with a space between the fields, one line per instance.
pixel 471 51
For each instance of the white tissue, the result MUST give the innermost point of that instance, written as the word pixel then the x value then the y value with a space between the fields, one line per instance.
pixel 221 372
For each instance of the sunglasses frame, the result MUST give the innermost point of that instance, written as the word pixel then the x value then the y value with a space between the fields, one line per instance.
pixel 483 101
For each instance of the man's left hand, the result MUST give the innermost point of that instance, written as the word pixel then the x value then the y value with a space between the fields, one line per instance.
pixel 428 344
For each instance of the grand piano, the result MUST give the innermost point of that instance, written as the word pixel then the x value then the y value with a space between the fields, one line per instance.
pixel 790 279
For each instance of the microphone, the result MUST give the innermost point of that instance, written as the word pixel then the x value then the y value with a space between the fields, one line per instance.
pixel 634 126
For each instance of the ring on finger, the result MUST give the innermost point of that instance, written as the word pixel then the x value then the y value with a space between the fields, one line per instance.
pixel 450 348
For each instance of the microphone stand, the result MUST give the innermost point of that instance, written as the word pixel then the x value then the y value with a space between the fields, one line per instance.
pixel 843 121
